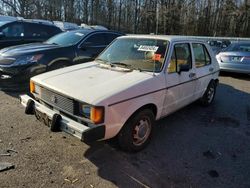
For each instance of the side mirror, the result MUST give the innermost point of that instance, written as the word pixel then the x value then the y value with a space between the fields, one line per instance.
pixel 2 35
pixel 183 68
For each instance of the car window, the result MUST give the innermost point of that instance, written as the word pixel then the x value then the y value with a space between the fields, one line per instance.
pixel 36 30
pixel 14 30
pixel 109 37
pixel 181 55
pixel 145 54
pixel 97 39
pixel 201 55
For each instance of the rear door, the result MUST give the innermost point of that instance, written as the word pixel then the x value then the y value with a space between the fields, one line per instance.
pixel 180 85
pixel 204 67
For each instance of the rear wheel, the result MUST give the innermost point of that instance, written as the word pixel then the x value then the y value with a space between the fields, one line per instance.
pixel 137 131
pixel 209 94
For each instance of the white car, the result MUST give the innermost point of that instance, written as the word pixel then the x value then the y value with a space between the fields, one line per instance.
pixel 137 80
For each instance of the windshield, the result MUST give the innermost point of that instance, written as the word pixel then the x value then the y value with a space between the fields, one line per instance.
pixel 238 47
pixel 136 53
pixel 66 38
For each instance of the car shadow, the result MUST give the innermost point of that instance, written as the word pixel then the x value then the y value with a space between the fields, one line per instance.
pixel 193 147
pixel 16 94
pixel 236 75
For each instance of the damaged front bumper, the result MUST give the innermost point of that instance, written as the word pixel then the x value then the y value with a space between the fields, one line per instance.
pixel 58 121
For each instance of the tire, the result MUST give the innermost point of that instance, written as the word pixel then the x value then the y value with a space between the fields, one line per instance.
pixel 209 94
pixel 137 131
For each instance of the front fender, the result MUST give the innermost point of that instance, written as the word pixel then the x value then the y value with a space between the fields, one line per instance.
pixel 116 115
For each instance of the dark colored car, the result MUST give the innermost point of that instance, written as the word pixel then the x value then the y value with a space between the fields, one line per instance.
pixel 19 63
pixel 23 32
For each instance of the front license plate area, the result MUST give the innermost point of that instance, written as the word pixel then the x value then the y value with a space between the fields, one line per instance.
pixel 43 118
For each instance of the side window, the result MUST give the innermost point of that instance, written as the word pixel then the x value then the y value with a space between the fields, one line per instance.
pixel 201 55
pixel 95 40
pixel 14 30
pixel 109 37
pixel 181 56
pixel 36 30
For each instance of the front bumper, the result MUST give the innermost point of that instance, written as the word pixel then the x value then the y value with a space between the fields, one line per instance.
pixel 235 67
pixel 85 133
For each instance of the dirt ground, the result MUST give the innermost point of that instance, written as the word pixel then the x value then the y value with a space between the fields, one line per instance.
pixel 194 147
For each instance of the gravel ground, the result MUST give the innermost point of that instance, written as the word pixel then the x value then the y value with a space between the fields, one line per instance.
pixel 194 147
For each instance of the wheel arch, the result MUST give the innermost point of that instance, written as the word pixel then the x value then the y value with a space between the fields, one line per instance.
pixel 58 60
pixel 150 106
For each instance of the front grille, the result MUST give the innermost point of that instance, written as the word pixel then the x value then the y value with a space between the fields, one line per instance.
pixel 58 101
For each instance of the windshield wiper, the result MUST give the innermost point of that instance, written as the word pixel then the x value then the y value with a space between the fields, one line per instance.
pixel 102 60
pixel 119 63
pixel 126 65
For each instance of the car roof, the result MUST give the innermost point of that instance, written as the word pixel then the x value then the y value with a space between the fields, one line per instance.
pixel 87 31
pixel 171 38
pixel 36 22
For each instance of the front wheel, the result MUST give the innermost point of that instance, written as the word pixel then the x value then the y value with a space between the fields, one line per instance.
pixel 137 131
pixel 209 94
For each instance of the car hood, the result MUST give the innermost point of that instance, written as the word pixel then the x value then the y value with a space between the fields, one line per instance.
pixel 27 49
pixel 90 83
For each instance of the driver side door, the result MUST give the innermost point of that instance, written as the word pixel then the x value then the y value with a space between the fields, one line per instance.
pixel 180 84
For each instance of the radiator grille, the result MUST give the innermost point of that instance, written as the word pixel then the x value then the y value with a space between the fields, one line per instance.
pixel 57 100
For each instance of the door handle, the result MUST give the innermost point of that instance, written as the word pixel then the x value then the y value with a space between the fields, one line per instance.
pixel 191 75
pixel 211 69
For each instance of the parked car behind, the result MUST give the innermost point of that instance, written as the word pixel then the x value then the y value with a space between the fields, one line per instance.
pixel 235 58
pixel 25 31
pixel 19 63
pixel 137 80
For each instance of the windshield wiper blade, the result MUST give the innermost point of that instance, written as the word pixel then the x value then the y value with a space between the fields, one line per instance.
pixel 119 63
pixel 102 60
pixel 126 65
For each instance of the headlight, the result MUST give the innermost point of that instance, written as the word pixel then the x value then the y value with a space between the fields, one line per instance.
pixel 25 60
pixel 94 113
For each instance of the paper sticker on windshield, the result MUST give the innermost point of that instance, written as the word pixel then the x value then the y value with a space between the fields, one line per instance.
pixel 79 34
pixel 148 48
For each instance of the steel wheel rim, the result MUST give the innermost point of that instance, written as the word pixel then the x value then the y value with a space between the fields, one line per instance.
pixel 141 131
pixel 210 94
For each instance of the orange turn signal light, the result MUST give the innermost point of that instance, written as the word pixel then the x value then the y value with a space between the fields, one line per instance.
pixel 32 87
pixel 97 115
